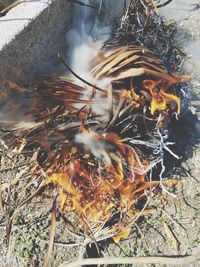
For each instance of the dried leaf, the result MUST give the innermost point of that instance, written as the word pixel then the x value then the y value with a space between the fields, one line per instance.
pixel 171 239
pixel 124 63
pixel 133 61
pixel 114 62
pixel 133 72
pixel 152 66
pixel 110 101
pixel 103 61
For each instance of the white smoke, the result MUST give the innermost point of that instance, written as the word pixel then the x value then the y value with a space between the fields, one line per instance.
pixel 85 37
pixel 84 41
pixel 91 143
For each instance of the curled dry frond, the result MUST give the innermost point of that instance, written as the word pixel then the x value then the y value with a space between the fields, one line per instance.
pixel 138 69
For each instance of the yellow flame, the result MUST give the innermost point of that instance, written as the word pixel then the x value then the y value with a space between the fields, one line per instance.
pixel 160 99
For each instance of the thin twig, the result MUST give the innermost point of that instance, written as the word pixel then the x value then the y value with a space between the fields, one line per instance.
pixel 1 199
pixel 164 4
pixel 80 78
pixel 52 235
pixel 8 8
pixel 82 4
pixel 121 103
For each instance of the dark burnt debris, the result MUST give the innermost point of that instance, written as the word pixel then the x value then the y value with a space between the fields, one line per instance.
pixel 142 25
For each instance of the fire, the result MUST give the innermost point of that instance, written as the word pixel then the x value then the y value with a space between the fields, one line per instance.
pixel 160 99
pixel 125 64
pixel 104 177
pixel 99 162
pixel 98 192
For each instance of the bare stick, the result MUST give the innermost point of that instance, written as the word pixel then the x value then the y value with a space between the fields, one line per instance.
pixel 177 260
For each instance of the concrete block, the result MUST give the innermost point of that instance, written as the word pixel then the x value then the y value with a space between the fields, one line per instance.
pixel 31 34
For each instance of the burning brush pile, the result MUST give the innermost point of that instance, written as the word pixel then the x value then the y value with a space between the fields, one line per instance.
pixel 100 144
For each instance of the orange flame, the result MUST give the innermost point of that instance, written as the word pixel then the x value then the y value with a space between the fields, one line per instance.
pixel 160 99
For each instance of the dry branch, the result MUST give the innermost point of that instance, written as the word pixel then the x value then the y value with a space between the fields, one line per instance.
pixel 178 261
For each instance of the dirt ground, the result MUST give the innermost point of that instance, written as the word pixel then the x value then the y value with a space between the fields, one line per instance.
pixel 172 228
